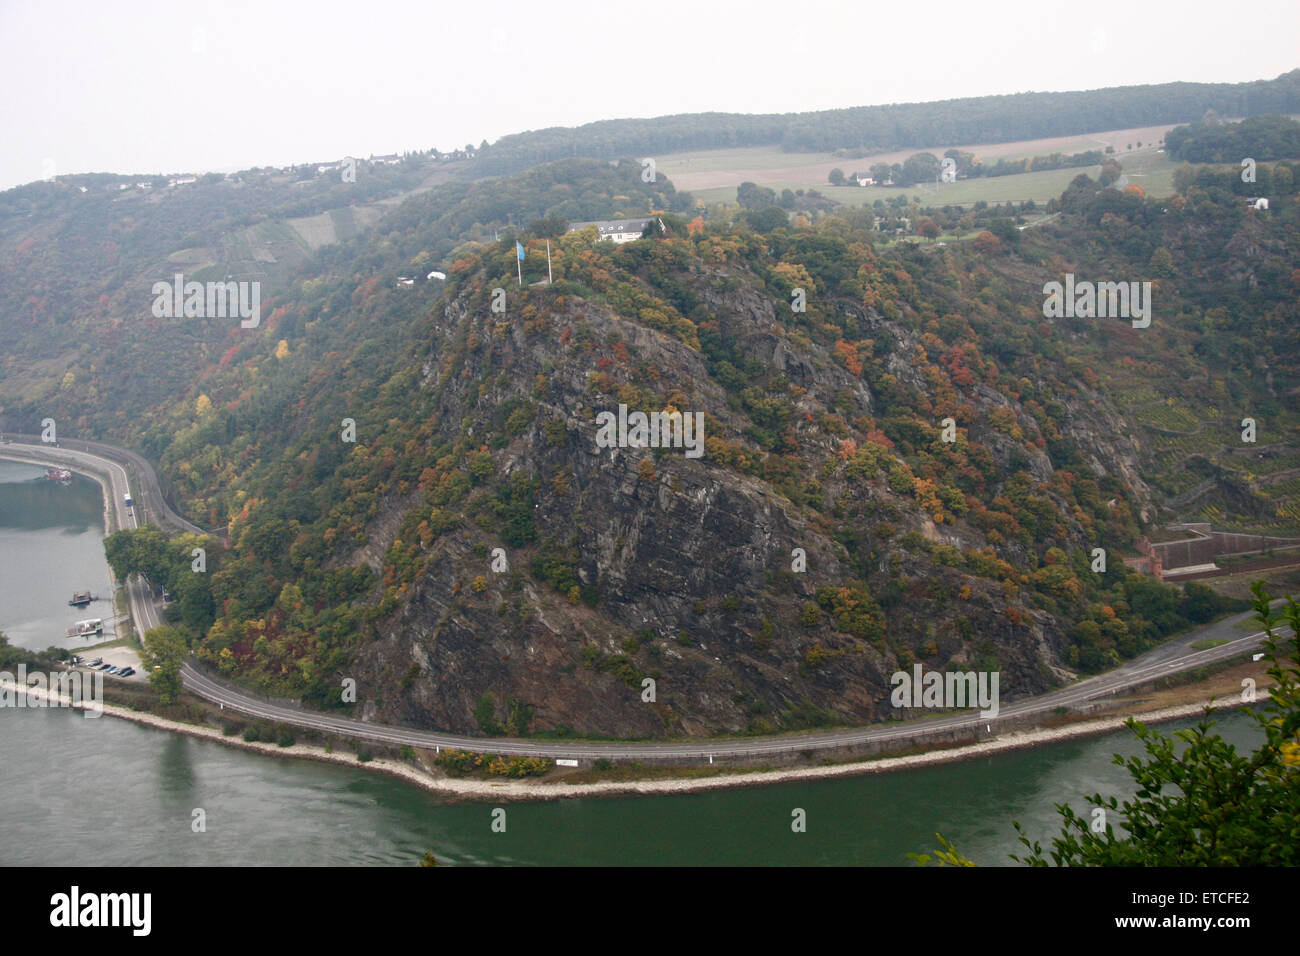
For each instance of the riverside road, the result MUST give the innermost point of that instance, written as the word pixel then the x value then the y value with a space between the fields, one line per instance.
pixel 1172 657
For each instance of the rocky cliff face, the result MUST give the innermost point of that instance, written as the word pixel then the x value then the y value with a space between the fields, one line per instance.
pixel 758 591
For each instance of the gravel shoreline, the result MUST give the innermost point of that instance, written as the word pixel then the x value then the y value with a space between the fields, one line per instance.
pixel 475 789
pixel 467 788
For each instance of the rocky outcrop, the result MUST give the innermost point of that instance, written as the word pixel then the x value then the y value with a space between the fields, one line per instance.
pixel 702 575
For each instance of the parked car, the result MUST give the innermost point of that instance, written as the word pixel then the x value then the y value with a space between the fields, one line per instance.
pixel 111 670
pixel 96 662
pixel 126 672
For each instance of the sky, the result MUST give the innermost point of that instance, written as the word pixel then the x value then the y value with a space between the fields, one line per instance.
pixel 193 86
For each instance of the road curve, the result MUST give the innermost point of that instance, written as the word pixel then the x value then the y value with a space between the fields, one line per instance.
pixel 1172 657
pixel 150 505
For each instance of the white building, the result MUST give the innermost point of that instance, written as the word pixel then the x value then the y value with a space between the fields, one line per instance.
pixel 436 275
pixel 617 230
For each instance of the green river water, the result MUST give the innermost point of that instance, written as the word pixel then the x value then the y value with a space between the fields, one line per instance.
pixel 80 791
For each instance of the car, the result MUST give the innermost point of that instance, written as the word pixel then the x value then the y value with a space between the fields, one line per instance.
pixel 126 672
pixel 105 667
pixel 96 662
pixel 111 670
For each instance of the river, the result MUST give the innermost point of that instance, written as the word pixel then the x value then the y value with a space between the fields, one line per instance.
pixel 79 791
pixel 51 544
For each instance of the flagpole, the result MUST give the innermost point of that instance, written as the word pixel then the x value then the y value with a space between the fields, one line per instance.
pixel 519 267
pixel 549 280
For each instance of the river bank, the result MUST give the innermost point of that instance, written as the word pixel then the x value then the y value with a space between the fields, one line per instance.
pixel 556 788
pixel 559 783
pixel 74 465
pixel 126 645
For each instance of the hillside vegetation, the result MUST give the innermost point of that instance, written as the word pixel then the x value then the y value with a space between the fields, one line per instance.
pixel 905 460
pixel 476 431
pixel 872 129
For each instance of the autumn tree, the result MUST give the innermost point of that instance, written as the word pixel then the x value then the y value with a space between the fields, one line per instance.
pixel 1198 801
pixel 1208 805
pixel 753 196
pixel 163 653
pixel 987 244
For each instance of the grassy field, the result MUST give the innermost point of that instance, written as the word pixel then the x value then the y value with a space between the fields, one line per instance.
pixel 1151 170
pixel 713 175
pixel 316 231
pixel 740 158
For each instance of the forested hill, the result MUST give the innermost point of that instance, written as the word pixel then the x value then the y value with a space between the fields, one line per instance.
pixel 77 269
pixel 475 430
pixel 981 119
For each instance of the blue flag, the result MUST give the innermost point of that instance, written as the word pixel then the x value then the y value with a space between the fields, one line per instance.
pixel 519 249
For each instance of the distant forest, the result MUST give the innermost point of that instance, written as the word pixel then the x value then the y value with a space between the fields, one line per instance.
pixel 867 129
pixel 1257 137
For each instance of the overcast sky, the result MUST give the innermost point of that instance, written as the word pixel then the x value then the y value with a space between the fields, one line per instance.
pixel 182 86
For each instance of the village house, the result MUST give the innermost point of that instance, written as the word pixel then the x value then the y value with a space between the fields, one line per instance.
pixel 617 230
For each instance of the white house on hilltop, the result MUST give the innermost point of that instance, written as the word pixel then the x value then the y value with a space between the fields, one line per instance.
pixel 617 230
